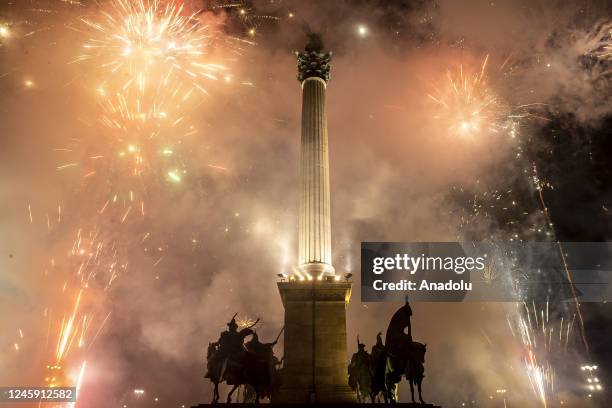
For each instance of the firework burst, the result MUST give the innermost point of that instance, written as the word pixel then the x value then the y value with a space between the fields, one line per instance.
pixel 545 334
pixel 149 58
pixel 143 143
pixel 151 47
pixel 467 106
pixel 596 42
pixel 246 321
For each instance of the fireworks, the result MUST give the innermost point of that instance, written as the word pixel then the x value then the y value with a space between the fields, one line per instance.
pixel 151 46
pixel 148 59
pixel 489 273
pixel 146 65
pixel 539 187
pixel 598 42
pixel 5 32
pixel 142 143
pixel 245 14
pixel 246 321
pixel 539 336
pixel 467 105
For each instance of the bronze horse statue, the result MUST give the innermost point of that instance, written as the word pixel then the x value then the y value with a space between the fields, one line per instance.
pixel 248 371
pixel 360 373
pixel 379 369
pixel 412 367
pixel 215 373
pixel 404 357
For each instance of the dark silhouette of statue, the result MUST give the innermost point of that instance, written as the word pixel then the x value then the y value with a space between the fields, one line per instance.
pixel 230 360
pixel 379 348
pixel 404 356
pixel 379 366
pixel 397 338
pixel 227 352
pixel 399 357
pixel 314 61
pixel 360 372
pixel 264 352
pixel 315 42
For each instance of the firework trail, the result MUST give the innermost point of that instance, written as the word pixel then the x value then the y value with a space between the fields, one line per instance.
pixel 248 19
pixel 597 42
pixel 467 107
pixel 539 188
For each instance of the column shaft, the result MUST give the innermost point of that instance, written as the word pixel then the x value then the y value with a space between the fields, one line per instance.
pixel 314 217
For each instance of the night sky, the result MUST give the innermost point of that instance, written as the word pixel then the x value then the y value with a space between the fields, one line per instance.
pixel 199 229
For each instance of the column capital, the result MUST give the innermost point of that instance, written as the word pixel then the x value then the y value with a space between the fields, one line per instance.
pixel 313 64
pixel 314 61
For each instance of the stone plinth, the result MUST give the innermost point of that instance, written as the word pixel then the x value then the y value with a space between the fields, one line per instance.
pixel 315 359
pixel 339 405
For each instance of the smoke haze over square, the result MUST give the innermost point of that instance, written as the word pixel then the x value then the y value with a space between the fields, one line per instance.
pixel 217 241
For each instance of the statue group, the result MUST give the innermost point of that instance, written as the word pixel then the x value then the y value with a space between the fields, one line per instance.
pixel 251 364
pixel 376 375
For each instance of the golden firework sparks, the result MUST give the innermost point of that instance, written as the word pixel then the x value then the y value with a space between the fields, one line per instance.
pixel 151 46
pixel 5 31
pixel 467 106
pixel 246 321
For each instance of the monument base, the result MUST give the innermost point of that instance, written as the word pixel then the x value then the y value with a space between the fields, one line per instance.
pixel 324 394
pixel 315 360
pixel 339 405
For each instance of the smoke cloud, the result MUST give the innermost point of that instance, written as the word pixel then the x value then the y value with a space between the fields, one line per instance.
pixel 216 241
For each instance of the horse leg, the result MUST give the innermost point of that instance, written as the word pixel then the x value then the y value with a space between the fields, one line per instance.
pixel 229 396
pixel 216 392
pixel 387 393
pixel 391 393
pixel 420 395
pixel 411 390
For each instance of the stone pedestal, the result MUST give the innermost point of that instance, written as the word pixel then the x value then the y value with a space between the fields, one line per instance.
pixel 315 359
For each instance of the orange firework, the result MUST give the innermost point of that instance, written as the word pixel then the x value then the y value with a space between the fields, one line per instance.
pixel 151 46
pixel 466 104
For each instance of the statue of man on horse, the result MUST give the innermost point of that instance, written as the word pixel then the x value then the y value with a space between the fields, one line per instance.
pixel 252 364
pixel 360 372
pixel 389 363
pixel 379 365
pixel 405 357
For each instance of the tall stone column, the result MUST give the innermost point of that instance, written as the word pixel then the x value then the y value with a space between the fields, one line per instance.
pixel 314 255
pixel 315 360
